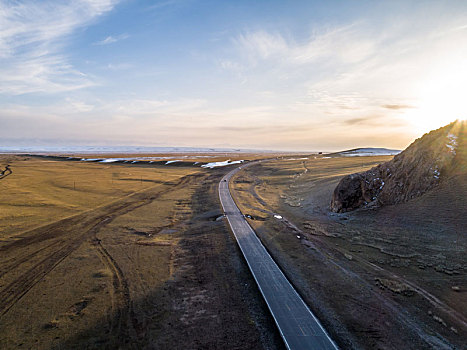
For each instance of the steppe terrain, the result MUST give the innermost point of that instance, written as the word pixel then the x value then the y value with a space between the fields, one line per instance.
pixel 137 255
pixel 131 256
pixel 388 278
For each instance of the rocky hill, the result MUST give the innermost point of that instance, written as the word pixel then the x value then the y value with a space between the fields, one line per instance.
pixel 429 160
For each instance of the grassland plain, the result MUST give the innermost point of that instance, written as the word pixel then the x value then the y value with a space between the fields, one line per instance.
pixel 391 278
pixel 97 255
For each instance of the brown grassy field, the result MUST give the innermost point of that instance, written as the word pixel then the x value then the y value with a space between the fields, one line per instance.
pixel 96 255
pixel 42 191
pixel 389 278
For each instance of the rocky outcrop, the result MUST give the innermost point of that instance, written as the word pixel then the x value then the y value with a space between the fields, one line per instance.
pixel 409 174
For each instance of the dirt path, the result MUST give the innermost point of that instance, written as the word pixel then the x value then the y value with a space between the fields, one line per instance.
pixel 121 324
pixel 27 260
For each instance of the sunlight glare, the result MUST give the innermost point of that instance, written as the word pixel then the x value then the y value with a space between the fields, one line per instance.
pixel 441 101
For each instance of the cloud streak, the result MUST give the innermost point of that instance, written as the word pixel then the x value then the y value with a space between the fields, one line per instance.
pixel 357 70
pixel 396 106
pixel 32 37
pixel 345 44
pixel 111 39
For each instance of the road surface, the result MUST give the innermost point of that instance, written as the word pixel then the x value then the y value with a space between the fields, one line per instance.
pixel 299 328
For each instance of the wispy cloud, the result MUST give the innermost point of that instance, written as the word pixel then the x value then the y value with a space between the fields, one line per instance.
pixel 358 120
pixel 162 4
pixel 230 65
pixel 346 44
pixel 40 73
pixel 111 39
pixel 262 44
pixel 119 66
pixel 32 37
pixel 358 71
pixel 397 106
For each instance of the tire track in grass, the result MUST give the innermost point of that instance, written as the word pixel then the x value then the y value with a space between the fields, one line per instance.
pixel 68 241
pixel 121 306
pixel 14 262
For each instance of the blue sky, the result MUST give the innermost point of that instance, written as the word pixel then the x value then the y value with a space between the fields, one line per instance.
pixel 291 75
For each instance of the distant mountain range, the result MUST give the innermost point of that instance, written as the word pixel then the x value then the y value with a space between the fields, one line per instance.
pixel 121 149
pixel 369 151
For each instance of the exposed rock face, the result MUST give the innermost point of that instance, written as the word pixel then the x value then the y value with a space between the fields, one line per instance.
pixel 409 174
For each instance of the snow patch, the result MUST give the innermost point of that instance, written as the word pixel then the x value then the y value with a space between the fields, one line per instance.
pixel 452 143
pixel 218 164
pixel 111 160
pixel 436 173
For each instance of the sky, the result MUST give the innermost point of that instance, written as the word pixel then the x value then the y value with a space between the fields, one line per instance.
pixel 281 75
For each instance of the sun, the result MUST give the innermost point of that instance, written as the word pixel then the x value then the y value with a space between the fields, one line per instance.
pixel 440 100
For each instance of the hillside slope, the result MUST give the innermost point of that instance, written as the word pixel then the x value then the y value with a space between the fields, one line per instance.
pixel 435 157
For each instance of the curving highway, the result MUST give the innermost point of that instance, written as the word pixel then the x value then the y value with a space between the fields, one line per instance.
pixel 299 328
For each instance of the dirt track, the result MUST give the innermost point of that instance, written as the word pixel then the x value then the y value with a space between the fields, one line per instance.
pixel 38 251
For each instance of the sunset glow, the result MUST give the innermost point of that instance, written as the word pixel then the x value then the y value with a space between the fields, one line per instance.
pixel 306 76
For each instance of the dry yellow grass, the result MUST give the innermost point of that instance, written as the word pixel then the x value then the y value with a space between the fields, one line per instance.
pixel 42 191
pixel 94 276
pixel 96 255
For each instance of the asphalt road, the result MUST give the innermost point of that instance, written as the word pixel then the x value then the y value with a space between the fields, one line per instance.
pixel 299 328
